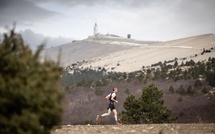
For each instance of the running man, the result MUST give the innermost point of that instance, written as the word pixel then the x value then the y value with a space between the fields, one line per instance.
pixel 111 107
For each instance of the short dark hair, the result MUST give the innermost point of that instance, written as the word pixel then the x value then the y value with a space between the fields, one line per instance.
pixel 114 88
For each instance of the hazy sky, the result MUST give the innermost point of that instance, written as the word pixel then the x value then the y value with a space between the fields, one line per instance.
pixel 143 19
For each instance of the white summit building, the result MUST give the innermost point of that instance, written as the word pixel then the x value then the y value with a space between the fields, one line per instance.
pixel 96 30
pixel 97 35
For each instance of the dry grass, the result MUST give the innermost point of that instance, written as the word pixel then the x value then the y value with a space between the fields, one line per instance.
pixel 138 129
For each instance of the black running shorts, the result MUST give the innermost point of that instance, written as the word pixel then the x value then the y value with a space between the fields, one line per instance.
pixel 111 106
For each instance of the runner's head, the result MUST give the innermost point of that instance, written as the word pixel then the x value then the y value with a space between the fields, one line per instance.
pixel 115 90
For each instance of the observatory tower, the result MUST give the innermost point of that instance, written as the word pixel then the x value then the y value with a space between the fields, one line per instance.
pixel 95 30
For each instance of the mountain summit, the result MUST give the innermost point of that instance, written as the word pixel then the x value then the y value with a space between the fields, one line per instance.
pixel 90 48
pixel 126 55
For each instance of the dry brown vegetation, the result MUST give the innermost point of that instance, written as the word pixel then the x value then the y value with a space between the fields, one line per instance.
pixel 82 104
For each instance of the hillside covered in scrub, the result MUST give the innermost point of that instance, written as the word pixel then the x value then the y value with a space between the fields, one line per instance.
pixel 183 69
pixel 188 90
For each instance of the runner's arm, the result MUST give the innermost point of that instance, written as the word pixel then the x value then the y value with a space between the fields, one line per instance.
pixel 112 98
pixel 107 97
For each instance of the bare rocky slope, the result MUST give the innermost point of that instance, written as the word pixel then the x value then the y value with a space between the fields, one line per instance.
pixel 92 47
pixel 127 55
pixel 144 55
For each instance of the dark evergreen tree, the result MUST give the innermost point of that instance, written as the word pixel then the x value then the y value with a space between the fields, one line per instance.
pixel 198 83
pixel 132 115
pixel 190 63
pixel 176 64
pixel 209 59
pixel 172 74
pixel 148 71
pixel 171 89
pixel 210 77
pixel 190 91
pixel 152 106
pixel 127 91
pixel 204 90
pixel 157 74
pixel 30 97
pixel 181 90
pixel 99 91
pixel 185 75
pixel 149 108
pixel 180 99
pixel 182 63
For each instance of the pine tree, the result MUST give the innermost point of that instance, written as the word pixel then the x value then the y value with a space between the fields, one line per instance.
pixel 182 63
pixel 180 99
pixel 149 108
pixel 210 77
pixel 175 64
pixel 204 90
pixel 181 90
pixel 132 113
pixel 30 97
pixel 171 89
pixel 190 91
pixel 198 83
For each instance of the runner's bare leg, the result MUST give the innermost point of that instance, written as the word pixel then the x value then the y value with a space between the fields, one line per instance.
pixel 115 115
pixel 106 114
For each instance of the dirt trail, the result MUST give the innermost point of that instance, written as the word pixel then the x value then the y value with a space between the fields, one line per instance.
pixel 137 129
